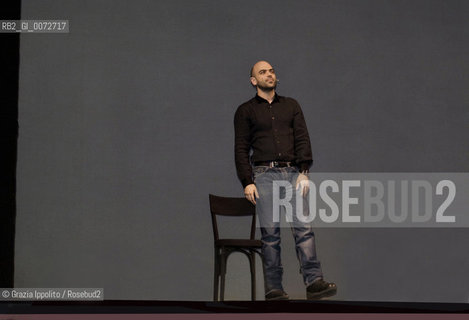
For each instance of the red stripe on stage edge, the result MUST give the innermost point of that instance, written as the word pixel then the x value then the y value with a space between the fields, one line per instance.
pixel 257 316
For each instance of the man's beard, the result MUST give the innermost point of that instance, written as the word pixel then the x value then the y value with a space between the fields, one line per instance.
pixel 267 89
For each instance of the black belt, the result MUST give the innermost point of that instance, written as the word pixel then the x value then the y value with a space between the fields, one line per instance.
pixel 272 164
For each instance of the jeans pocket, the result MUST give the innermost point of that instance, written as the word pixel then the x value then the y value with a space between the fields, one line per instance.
pixel 259 170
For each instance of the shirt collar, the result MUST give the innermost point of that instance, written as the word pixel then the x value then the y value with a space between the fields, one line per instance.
pixel 260 99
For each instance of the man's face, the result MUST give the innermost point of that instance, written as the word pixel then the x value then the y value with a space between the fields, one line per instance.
pixel 263 76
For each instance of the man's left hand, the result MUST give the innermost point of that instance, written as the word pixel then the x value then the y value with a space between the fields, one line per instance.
pixel 302 184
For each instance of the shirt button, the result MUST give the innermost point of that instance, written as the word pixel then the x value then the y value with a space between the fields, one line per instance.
pixel 280 154
pixel 273 118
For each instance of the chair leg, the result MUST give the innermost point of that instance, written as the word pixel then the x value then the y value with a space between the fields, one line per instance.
pixel 216 272
pixel 252 265
pixel 222 274
pixel 263 268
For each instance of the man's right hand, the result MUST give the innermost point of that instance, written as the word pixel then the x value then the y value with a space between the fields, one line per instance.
pixel 251 193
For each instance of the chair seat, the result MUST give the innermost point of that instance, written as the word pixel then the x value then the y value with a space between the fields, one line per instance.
pixel 239 243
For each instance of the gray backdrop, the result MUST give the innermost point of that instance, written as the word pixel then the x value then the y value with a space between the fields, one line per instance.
pixel 126 126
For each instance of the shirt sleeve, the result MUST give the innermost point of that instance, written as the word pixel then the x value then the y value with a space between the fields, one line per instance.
pixel 303 154
pixel 242 147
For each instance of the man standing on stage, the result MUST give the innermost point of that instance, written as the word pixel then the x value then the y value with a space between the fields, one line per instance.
pixel 274 129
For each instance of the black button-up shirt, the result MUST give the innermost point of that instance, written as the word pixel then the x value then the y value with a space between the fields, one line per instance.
pixel 274 132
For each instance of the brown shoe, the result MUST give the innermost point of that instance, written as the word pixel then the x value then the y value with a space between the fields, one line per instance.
pixel 320 289
pixel 276 294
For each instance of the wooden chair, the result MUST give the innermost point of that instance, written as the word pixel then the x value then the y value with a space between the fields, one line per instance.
pixel 235 207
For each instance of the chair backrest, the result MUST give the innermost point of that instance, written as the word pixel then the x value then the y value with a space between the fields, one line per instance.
pixel 235 207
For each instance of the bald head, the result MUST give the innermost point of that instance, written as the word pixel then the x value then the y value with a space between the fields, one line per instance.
pixel 263 76
pixel 255 68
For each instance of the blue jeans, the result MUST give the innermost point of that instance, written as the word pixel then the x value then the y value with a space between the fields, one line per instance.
pixel 310 267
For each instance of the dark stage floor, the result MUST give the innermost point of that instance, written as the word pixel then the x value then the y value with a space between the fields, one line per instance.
pixel 185 307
